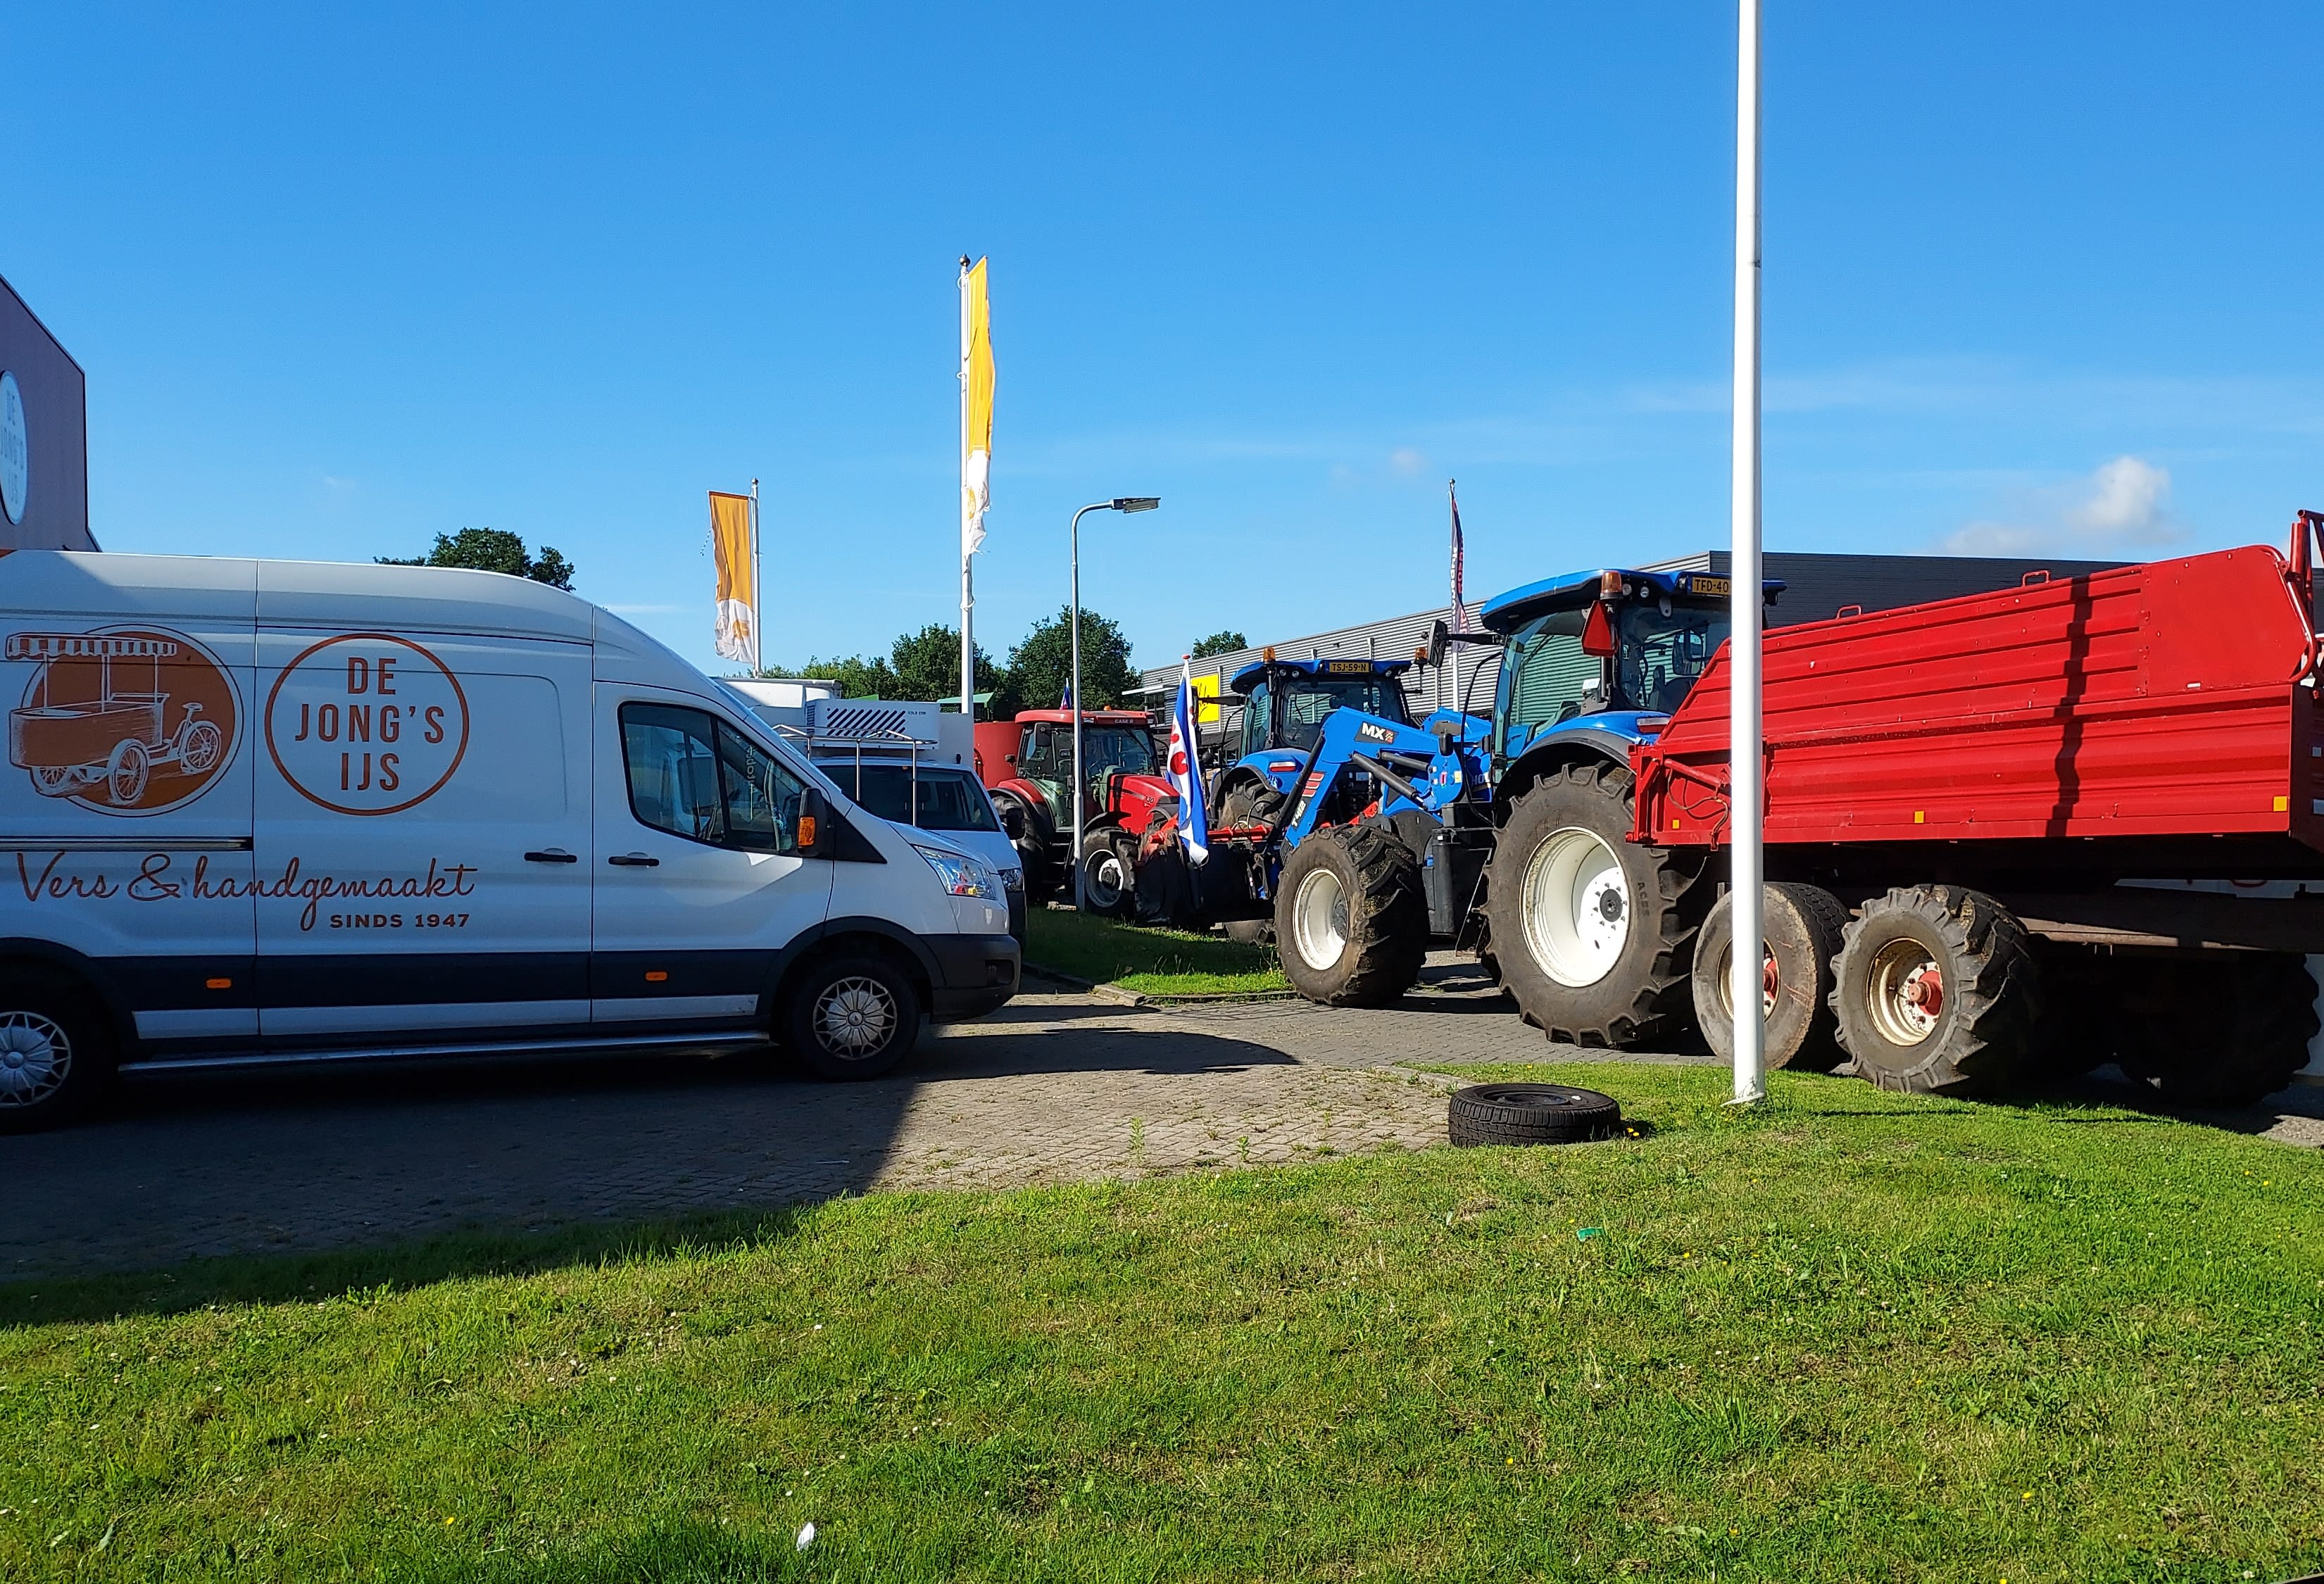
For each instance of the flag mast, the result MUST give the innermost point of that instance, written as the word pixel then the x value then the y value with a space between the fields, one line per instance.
pixel 967 586
pixel 758 591
pixel 1743 762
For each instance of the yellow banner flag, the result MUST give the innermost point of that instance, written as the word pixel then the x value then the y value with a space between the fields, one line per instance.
pixel 733 539
pixel 975 408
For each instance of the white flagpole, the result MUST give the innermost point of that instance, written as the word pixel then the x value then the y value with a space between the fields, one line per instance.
pixel 758 590
pixel 967 585
pixel 1743 640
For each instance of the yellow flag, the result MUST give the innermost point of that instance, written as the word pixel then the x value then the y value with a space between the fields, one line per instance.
pixel 976 408
pixel 734 542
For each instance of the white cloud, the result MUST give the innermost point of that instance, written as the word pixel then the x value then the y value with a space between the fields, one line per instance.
pixel 2123 505
pixel 1407 461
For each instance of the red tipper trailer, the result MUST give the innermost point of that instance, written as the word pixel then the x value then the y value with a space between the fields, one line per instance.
pixel 1975 777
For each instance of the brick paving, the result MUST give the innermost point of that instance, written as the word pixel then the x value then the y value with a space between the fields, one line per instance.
pixel 1056 1087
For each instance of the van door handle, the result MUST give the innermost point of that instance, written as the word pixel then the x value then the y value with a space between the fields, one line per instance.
pixel 634 860
pixel 551 855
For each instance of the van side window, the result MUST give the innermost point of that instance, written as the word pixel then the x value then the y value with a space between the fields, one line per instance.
pixel 694 777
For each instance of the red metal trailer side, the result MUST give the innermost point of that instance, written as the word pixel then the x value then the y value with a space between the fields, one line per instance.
pixel 2168 699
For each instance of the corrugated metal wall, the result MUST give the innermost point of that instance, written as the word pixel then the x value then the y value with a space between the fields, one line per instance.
pixel 1818 585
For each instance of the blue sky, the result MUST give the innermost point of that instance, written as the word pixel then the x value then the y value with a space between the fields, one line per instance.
pixel 2038 278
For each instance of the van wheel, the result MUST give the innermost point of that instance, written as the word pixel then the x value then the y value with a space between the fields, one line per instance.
pixel 852 1016
pixel 54 1054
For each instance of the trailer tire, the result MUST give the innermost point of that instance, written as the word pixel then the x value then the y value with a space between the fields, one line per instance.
pixel 1563 855
pixel 1804 925
pixel 1350 921
pixel 1936 992
pixel 1530 1113
pixel 56 1052
pixel 2228 1033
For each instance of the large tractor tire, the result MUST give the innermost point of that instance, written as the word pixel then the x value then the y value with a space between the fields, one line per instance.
pixel 1351 920
pixel 1241 806
pixel 1592 933
pixel 1936 992
pixel 1803 926
pixel 2226 1028
pixel 1028 832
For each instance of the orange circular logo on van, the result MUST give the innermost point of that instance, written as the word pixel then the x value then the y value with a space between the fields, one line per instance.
pixel 366 723
pixel 123 720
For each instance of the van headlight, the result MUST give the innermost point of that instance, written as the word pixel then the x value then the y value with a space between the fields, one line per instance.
pixel 962 875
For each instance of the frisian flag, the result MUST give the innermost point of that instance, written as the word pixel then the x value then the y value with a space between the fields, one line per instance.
pixel 1185 769
pixel 1460 612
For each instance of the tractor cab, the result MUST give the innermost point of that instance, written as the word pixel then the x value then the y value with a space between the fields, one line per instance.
pixel 1609 652
pixel 1285 702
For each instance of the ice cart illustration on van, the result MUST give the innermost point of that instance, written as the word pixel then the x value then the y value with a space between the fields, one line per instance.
pixel 108 745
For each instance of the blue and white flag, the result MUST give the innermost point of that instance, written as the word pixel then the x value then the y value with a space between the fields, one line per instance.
pixel 1185 768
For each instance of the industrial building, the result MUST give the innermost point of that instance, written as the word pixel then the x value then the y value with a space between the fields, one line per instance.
pixel 1816 585
pixel 44 435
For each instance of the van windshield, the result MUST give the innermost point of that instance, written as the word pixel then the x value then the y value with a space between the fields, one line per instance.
pixel 950 800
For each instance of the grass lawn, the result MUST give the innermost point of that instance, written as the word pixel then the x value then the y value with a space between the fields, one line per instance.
pixel 1851 1336
pixel 1151 962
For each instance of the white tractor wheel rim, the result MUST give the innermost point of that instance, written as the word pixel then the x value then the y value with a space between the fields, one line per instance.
pixel 1104 882
pixel 1319 919
pixel 853 1018
pixel 1577 908
pixel 1903 973
pixel 35 1058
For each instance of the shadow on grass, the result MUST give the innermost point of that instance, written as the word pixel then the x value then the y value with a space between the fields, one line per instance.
pixel 309 1278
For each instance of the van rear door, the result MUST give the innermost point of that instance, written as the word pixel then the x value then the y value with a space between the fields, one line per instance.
pixel 422 833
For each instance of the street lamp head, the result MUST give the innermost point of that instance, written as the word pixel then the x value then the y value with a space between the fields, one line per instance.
pixel 1135 503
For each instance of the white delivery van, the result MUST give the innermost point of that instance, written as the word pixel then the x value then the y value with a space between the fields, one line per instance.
pixel 266 811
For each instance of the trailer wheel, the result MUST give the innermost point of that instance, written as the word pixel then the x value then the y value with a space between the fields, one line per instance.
pixel 1593 934
pixel 1803 927
pixel 1936 992
pixel 1351 923
pixel 55 1058
pixel 2226 1033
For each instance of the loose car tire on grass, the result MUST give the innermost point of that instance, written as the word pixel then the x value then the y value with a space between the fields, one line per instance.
pixel 1936 992
pixel 1351 923
pixel 2225 1028
pixel 1530 1113
pixel 1593 934
pixel 1804 925
pixel 56 1052
pixel 853 1015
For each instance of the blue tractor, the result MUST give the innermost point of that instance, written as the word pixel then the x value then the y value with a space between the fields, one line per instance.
pixel 1510 833
pixel 1284 706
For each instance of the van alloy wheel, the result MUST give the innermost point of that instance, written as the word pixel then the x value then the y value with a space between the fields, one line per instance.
pixel 854 1018
pixel 36 1057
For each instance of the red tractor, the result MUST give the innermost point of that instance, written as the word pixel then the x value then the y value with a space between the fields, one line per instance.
pixel 1027 764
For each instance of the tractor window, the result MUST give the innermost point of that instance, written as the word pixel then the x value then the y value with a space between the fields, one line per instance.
pixel 1548 674
pixel 1038 756
pixel 1255 718
pixel 1312 698
pixel 1115 748
pixel 1661 654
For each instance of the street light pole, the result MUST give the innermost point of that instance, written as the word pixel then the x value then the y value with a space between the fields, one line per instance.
pixel 1119 503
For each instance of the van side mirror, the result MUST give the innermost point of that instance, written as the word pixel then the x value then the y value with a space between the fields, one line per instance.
pixel 814 823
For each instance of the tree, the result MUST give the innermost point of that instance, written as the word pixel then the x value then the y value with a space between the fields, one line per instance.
pixel 491 550
pixel 1041 665
pixel 926 665
pixel 857 677
pixel 1220 644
